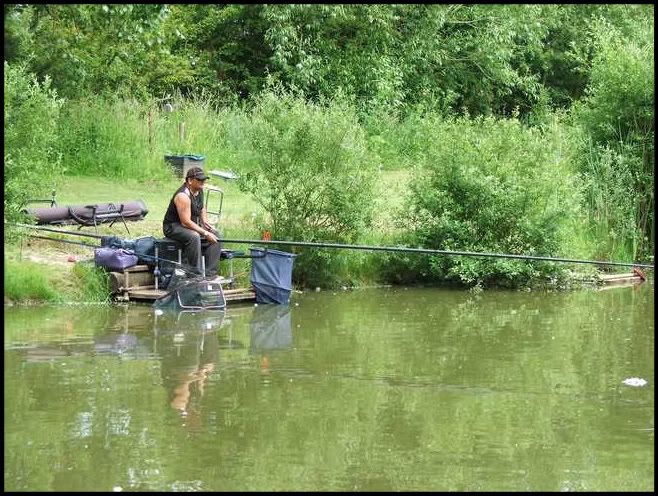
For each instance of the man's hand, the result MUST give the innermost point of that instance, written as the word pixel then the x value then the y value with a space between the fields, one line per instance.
pixel 211 237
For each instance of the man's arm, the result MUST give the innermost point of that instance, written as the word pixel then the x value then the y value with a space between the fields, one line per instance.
pixel 204 220
pixel 184 208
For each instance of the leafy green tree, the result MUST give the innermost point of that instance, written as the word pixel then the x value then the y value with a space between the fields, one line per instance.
pixel 399 58
pixel 489 185
pixel 31 162
pixel 442 57
pixel 95 49
pixel 226 44
pixel 616 117
pixel 307 166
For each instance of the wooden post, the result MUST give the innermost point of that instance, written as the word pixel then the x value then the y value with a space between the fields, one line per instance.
pixel 181 132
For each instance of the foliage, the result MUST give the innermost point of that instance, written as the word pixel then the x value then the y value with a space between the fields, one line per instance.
pixel 308 167
pixel 476 58
pixel 616 118
pixel 398 56
pixel 93 283
pixel 488 185
pixel 129 139
pixel 97 49
pixel 31 163
pixel 106 138
pixel 225 44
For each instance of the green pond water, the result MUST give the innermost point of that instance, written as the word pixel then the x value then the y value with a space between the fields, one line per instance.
pixel 376 389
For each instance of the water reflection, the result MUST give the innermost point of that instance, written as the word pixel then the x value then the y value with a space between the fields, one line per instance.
pixel 374 390
pixel 271 328
pixel 137 332
pixel 187 346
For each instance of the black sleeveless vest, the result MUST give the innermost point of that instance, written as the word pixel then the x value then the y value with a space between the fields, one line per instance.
pixel 171 215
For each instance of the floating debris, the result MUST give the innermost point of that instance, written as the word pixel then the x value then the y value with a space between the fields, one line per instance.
pixel 635 382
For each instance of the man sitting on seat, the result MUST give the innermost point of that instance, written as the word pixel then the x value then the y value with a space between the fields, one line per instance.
pixel 186 221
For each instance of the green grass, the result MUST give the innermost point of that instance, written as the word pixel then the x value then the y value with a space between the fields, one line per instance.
pixel 237 208
pixel 38 274
pixel 239 212
pixel 93 283
pixel 29 281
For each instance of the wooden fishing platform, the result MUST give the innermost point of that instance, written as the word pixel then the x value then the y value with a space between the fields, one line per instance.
pixel 603 281
pixel 609 281
pixel 137 283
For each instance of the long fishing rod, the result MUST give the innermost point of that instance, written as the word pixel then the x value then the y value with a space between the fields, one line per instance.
pixel 403 249
pixel 399 249
pixel 60 231
pixel 188 269
pixel 62 240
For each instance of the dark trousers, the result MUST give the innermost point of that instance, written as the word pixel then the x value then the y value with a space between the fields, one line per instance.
pixel 194 246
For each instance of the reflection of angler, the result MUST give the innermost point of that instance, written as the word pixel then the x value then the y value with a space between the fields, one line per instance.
pixel 188 347
pixel 271 328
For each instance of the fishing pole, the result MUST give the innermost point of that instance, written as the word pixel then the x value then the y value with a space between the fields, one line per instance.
pixel 399 249
pixel 62 240
pixel 60 231
pixel 403 249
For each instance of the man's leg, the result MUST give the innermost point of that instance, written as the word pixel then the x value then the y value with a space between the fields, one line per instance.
pixel 191 242
pixel 211 253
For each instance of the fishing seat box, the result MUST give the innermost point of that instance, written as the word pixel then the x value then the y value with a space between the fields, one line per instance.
pixel 170 254
pixel 169 250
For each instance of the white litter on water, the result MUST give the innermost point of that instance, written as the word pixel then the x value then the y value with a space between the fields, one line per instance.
pixel 635 381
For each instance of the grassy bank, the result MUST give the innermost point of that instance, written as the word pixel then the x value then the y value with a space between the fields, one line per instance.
pixel 41 271
pixel 316 173
pixel 46 278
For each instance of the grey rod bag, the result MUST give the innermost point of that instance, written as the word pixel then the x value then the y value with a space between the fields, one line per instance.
pixel 89 215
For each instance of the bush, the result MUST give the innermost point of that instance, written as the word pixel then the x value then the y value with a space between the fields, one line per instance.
pixel 32 164
pixel 129 139
pixel 109 138
pixel 488 185
pixel 617 123
pixel 307 165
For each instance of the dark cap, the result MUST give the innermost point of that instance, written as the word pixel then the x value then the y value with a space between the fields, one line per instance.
pixel 196 173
